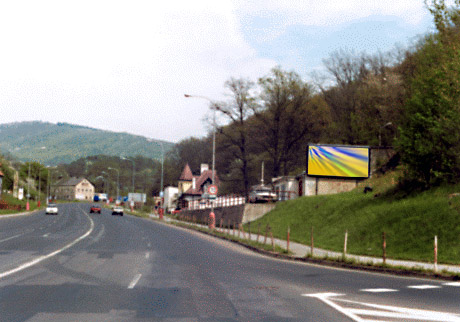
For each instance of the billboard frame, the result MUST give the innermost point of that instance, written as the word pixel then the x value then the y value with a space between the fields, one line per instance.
pixel 343 146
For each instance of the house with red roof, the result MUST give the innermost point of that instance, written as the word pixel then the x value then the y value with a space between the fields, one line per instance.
pixel 195 187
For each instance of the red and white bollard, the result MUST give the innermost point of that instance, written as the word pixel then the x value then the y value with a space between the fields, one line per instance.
pixel 212 220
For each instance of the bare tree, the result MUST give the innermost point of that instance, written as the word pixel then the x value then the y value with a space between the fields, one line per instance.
pixel 237 110
pixel 284 119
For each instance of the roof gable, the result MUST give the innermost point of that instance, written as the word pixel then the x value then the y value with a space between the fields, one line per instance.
pixel 187 174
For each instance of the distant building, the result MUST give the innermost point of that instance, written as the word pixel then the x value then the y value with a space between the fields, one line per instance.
pixel 194 187
pixel 286 187
pixel 73 189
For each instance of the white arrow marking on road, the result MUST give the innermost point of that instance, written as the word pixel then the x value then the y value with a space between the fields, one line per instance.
pixel 382 311
pixel 325 298
pixel 402 312
pixel 134 281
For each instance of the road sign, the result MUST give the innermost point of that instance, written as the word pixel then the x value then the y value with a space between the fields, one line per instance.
pixel 212 190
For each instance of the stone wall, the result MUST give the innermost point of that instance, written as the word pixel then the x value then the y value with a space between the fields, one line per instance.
pixel 229 215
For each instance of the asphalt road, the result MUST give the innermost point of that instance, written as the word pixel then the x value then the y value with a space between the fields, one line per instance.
pixel 78 266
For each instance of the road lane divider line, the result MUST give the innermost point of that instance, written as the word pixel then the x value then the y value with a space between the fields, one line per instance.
pixel 424 287
pixel 9 238
pixel 46 235
pixel 147 255
pixel 134 281
pixel 42 258
pixel 378 290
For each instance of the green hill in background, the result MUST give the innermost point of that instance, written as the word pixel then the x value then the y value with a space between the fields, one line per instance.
pixel 52 144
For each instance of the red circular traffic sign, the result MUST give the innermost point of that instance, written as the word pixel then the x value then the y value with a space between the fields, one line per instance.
pixel 212 189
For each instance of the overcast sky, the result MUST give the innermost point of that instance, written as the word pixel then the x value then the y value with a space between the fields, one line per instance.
pixel 125 65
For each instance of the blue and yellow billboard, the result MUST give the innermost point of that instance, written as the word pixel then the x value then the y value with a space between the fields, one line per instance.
pixel 338 161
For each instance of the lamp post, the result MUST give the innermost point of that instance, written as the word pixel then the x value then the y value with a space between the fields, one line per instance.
pixel 161 182
pixel 380 132
pixel 28 189
pixel 118 180
pixel 212 217
pixel 103 182
pixel 48 186
pixel 39 185
pixel 123 158
pixel 132 200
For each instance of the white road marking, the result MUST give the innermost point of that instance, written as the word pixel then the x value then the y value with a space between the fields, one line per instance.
pixel 424 287
pixel 402 312
pixel 147 255
pixel 457 284
pixel 324 297
pixel 12 237
pixel 378 290
pixel 360 311
pixel 149 245
pixel 134 281
pixel 42 258
pixel 46 235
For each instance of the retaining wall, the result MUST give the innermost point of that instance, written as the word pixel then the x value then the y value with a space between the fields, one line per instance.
pixel 228 215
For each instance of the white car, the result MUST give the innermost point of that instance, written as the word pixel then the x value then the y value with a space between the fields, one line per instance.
pixel 117 210
pixel 51 209
pixel 262 194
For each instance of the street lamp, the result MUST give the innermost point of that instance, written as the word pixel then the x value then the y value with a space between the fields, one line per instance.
pixel 211 215
pixel 28 189
pixel 104 182
pixel 39 185
pixel 123 158
pixel 161 182
pixel 380 131
pixel 118 180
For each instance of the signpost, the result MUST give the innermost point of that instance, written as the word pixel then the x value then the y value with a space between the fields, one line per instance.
pixel 212 191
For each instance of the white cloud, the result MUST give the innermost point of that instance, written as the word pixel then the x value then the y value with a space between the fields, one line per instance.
pixel 332 12
pixel 120 65
pixel 124 65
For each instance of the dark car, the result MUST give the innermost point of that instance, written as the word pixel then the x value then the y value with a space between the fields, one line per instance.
pixel 94 209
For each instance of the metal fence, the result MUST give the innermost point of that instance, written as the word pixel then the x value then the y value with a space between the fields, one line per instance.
pixel 223 201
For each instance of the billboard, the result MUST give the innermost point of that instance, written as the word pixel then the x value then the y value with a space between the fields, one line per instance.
pixel 338 161
pixel 137 197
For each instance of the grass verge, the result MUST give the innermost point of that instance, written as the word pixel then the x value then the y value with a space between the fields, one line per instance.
pixel 410 221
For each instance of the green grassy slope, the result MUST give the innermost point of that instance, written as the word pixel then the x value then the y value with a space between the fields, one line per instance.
pixel 52 144
pixel 410 222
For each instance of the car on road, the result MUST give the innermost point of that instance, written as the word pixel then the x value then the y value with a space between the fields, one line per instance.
pixel 51 209
pixel 95 209
pixel 117 211
pixel 261 193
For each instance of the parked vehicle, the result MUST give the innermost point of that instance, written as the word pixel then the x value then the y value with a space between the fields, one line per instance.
pixel 262 193
pixel 51 209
